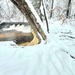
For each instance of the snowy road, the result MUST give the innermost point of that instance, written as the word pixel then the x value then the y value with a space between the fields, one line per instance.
pixel 53 58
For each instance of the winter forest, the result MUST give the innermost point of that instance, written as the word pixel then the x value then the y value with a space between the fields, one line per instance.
pixel 37 37
pixel 54 9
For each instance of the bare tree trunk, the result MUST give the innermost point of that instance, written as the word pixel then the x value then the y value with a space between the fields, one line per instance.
pixel 72 9
pixel 24 8
pixel 45 14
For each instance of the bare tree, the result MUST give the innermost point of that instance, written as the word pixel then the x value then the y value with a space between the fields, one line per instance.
pixel 45 14
pixel 24 8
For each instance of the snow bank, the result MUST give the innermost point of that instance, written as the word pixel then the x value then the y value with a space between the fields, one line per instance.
pixel 53 58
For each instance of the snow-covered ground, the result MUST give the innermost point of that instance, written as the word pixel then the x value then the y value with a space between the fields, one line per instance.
pixel 56 57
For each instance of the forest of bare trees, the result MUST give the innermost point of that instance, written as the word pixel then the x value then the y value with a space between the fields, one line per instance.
pixel 54 8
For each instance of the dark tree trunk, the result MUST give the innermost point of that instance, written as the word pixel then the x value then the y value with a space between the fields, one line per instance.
pixel 45 15
pixel 24 8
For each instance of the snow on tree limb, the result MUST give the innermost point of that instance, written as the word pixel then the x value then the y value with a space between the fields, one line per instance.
pixel 31 15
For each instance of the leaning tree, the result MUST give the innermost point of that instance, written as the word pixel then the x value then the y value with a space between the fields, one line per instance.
pixel 23 6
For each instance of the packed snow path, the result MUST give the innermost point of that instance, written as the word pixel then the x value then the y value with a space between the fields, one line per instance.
pixel 57 57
